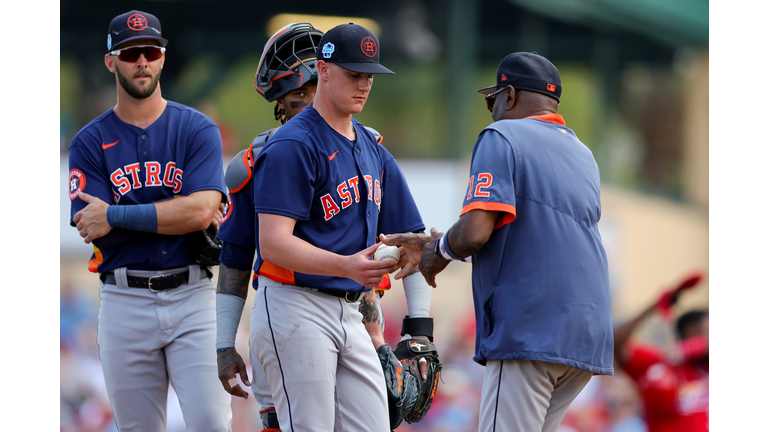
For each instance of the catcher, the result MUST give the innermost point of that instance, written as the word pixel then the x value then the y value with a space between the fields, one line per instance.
pixel 287 74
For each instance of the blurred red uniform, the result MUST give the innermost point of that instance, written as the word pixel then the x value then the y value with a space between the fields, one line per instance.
pixel 676 397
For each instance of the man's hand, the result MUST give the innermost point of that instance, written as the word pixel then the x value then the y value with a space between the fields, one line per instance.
pixel 410 251
pixel 431 263
pixel 230 364
pixel 91 221
pixel 669 298
pixel 216 222
pixel 366 272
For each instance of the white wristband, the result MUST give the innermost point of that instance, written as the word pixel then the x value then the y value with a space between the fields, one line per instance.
pixel 229 309
pixel 418 295
pixel 444 253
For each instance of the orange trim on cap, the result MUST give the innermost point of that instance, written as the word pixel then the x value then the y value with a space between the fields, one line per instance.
pixel 510 210
pixel 277 273
pixel 93 264
pixel 552 118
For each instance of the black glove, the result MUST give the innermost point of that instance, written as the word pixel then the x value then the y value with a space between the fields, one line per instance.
pixel 402 388
pixel 204 247
pixel 409 353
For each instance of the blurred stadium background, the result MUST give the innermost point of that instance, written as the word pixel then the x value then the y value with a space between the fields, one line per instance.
pixel 635 89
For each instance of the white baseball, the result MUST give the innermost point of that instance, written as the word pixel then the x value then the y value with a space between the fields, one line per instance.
pixel 385 252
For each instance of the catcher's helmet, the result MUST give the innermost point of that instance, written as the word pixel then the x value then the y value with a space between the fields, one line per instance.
pixel 288 61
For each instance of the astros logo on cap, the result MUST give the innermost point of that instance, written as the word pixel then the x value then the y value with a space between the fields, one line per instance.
pixel 368 46
pixel 137 22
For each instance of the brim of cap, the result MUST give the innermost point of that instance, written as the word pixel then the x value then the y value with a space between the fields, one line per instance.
pixel 163 42
pixel 488 90
pixel 367 68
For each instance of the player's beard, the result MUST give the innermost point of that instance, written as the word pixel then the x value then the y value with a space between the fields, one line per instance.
pixel 133 90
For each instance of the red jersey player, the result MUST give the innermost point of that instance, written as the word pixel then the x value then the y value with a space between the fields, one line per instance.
pixel 674 386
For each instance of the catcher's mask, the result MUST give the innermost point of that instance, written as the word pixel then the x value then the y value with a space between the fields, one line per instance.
pixel 288 61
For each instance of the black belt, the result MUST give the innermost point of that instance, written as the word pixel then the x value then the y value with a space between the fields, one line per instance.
pixel 350 297
pixel 155 283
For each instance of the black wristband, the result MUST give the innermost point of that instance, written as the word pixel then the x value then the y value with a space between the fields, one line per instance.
pixel 418 327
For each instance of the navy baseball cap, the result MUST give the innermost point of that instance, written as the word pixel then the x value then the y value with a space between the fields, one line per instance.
pixel 352 47
pixel 134 25
pixel 527 71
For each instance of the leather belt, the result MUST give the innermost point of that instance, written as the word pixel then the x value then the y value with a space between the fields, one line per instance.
pixel 156 283
pixel 350 297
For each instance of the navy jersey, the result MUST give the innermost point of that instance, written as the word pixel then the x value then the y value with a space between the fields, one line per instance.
pixel 341 193
pixel 237 224
pixel 540 283
pixel 121 164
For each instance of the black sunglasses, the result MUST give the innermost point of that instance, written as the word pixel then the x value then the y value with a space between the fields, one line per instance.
pixel 490 98
pixel 132 54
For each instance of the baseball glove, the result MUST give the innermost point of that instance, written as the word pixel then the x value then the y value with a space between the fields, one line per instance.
pixel 402 388
pixel 204 247
pixel 410 352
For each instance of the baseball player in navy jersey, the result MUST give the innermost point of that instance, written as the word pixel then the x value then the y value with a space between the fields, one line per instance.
pixel 323 189
pixel 144 176
pixel 287 74
pixel 539 271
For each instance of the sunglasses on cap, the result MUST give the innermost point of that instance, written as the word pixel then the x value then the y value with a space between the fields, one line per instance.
pixel 490 98
pixel 132 54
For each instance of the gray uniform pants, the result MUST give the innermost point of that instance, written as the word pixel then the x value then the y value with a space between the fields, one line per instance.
pixel 260 382
pixel 323 371
pixel 147 340
pixel 528 396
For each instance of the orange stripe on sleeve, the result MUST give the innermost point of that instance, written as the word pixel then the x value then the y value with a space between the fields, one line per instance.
pixel 277 273
pixel 510 210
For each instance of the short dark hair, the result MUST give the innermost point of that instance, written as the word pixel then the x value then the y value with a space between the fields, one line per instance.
pixel 689 318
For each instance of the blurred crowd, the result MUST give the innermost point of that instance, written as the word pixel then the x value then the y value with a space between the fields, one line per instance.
pixel 607 404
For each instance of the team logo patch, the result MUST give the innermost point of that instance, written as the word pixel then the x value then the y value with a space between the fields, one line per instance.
pixel 503 77
pixel 328 49
pixel 137 22
pixel 109 41
pixel 368 46
pixel 551 87
pixel 227 209
pixel 76 183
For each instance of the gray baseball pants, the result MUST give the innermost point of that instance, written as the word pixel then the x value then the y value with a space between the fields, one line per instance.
pixel 528 396
pixel 323 371
pixel 147 340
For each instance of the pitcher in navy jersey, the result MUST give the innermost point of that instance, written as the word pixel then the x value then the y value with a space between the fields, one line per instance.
pixel 143 176
pixel 323 188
